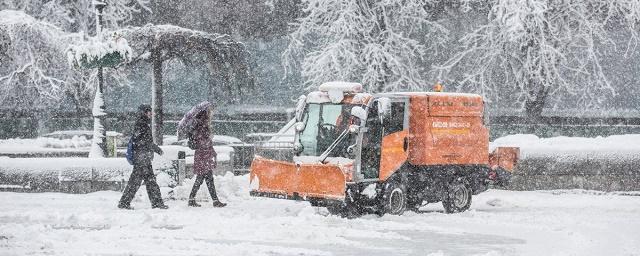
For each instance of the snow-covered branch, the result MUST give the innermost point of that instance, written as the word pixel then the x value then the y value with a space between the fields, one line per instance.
pixel 535 49
pixel 378 43
pixel 79 16
pixel 34 71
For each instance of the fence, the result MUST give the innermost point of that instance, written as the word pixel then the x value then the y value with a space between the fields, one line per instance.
pixel 32 127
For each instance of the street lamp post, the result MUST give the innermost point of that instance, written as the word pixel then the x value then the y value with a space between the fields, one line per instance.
pixel 98 112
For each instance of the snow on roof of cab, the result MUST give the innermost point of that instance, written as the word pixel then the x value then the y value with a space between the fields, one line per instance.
pixel 340 86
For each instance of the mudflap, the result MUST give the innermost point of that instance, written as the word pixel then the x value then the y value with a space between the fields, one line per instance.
pixel 310 182
pixel 501 177
pixel 480 180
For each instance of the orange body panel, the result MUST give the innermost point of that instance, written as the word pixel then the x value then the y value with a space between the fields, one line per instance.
pixel 447 129
pixel 393 154
pixel 306 180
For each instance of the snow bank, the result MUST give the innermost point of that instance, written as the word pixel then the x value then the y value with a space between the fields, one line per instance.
pixel 601 163
pixel 68 164
pixel 43 144
pixel 620 146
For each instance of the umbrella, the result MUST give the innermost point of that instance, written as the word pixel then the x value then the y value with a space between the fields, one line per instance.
pixel 186 125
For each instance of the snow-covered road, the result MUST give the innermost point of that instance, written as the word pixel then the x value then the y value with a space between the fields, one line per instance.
pixel 500 223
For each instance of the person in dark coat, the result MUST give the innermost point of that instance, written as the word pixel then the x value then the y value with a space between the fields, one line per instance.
pixel 204 160
pixel 143 149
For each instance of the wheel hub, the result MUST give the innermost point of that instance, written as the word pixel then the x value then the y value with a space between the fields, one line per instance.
pixel 460 198
pixel 396 200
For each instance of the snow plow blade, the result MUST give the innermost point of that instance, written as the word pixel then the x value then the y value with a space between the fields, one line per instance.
pixel 280 179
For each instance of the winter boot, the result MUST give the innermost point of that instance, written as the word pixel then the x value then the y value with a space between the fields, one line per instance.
pixel 192 203
pixel 125 207
pixel 217 203
pixel 162 206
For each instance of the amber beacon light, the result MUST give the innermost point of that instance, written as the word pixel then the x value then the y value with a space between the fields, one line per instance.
pixel 438 87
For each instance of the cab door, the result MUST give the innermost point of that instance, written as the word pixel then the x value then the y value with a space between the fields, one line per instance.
pixel 371 143
pixel 384 144
pixel 395 144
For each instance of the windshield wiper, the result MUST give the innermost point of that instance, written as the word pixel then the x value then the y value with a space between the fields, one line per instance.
pixel 333 145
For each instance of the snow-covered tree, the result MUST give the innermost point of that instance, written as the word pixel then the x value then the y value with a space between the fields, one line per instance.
pixel 79 16
pixel 381 44
pixel 226 59
pixel 537 49
pixel 34 36
pixel 33 71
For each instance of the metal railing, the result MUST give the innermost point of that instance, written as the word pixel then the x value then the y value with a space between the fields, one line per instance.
pixel 278 147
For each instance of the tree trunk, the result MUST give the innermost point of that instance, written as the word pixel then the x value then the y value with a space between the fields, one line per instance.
pixel 156 97
pixel 533 109
pixel 533 106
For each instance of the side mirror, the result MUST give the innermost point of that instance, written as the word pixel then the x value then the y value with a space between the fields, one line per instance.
pixel 359 112
pixel 302 100
pixel 299 126
pixel 383 104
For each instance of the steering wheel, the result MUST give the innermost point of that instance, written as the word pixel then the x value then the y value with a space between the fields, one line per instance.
pixel 326 129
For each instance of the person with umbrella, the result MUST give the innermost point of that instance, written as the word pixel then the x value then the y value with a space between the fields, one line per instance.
pixel 143 149
pixel 196 126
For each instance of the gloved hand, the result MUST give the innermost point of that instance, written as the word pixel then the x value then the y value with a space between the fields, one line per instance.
pixel 158 150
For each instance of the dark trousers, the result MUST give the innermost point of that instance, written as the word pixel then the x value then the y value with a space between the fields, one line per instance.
pixel 142 172
pixel 196 186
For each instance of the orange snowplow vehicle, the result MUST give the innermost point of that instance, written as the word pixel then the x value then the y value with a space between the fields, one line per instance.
pixel 355 152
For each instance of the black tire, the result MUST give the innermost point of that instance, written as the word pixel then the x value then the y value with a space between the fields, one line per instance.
pixel 457 196
pixel 394 199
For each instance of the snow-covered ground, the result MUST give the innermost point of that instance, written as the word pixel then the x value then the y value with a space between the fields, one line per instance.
pixel 571 222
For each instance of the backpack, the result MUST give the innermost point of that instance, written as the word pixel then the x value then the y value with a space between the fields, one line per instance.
pixel 129 154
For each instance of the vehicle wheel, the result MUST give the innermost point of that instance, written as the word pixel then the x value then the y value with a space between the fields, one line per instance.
pixel 458 196
pixel 394 199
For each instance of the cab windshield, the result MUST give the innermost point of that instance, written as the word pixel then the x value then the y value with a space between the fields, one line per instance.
pixel 324 122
